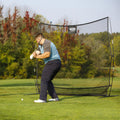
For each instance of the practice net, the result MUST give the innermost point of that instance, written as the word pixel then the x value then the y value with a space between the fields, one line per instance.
pixel 86 55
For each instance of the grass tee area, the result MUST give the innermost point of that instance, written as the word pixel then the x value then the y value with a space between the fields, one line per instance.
pixel 68 108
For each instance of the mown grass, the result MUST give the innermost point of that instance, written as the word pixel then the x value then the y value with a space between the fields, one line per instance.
pixel 68 108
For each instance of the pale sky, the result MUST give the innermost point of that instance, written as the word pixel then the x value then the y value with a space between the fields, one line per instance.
pixel 75 11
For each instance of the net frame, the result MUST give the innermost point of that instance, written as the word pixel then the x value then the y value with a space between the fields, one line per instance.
pixel 107 88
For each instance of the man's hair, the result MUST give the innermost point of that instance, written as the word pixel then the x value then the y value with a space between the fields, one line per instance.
pixel 39 34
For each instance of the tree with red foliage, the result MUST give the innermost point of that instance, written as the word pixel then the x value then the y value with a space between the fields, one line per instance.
pixel 30 23
pixel 10 26
pixel 1 18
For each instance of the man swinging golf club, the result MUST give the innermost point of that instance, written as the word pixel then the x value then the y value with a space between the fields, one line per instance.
pixel 52 61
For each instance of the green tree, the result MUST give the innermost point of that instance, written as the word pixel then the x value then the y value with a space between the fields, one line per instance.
pixel 116 43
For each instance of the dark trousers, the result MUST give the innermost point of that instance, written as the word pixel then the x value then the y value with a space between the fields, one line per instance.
pixel 49 72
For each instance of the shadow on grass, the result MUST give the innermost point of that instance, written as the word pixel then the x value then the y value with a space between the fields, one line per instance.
pixel 27 84
pixel 10 94
pixel 17 84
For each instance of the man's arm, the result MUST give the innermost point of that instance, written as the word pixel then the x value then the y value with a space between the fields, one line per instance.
pixel 42 56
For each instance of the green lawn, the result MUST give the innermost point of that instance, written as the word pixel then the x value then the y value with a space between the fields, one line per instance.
pixel 68 108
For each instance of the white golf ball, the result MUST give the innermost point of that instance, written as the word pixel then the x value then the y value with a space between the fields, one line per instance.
pixel 21 99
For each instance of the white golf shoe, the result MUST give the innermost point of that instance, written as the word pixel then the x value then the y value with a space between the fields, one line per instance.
pixel 39 101
pixel 53 99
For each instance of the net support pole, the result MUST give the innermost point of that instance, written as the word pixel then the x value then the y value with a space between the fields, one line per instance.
pixel 112 59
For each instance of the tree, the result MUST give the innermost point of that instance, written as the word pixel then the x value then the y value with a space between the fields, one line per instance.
pixel 116 40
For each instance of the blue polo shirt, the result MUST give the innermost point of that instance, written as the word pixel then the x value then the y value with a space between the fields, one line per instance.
pixel 49 46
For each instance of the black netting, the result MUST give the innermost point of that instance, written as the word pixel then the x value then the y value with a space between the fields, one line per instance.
pixel 86 57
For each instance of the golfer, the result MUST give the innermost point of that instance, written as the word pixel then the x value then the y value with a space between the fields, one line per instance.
pixel 52 62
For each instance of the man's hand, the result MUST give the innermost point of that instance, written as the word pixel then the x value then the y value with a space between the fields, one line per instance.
pixel 34 54
pixel 43 56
